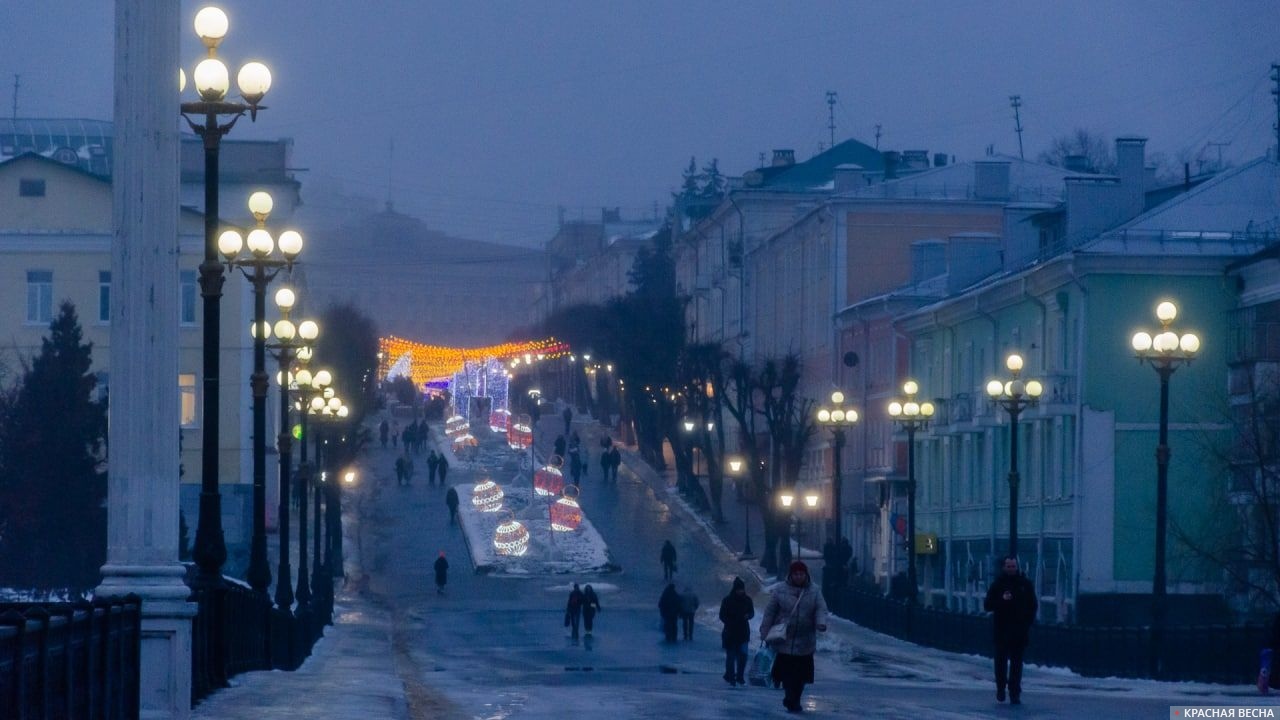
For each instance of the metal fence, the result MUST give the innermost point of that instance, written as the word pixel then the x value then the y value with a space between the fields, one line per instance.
pixel 1205 653
pixel 70 660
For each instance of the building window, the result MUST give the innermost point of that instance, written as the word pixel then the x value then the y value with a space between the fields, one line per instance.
pixel 39 296
pixel 30 187
pixel 188 290
pixel 104 296
pixel 187 395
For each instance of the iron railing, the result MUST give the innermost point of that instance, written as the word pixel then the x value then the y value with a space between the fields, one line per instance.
pixel 1204 653
pixel 70 660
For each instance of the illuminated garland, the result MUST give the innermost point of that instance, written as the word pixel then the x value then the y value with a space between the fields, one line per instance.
pixel 434 362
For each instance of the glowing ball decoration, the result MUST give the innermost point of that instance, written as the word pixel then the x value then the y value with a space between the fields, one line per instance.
pixel 566 513
pixel 520 434
pixel 511 538
pixel 467 440
pixel 500 421
pixel 456 425
pixel 487 496
pixel 549 481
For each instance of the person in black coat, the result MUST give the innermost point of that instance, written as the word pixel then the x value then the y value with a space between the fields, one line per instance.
pixel 442 573
pixel 590 606
pixel 736 611
pixel 442 468
pixel 451 499
pixel 669 609
pixel 573 610
pixel 668 559
pixel 1011 600
pixel 433 464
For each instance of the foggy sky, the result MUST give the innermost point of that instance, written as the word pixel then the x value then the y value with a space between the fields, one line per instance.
pixel 498 112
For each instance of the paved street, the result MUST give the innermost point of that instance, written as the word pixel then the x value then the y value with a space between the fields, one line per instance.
pixel 494 647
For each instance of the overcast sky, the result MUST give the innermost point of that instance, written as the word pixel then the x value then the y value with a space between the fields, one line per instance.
pixel 482 117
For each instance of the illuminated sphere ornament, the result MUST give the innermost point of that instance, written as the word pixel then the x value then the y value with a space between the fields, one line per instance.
pixel 487 496
pixel 511 538
pixel 566 513
pixel 548 481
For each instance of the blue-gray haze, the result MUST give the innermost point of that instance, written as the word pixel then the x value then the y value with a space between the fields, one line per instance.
pixel 483 117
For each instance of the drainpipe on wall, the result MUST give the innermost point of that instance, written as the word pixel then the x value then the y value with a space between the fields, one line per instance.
pixel 1044 333
pixel 990 436
pixel 1077 488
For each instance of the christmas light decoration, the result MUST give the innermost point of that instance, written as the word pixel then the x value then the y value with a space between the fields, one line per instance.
pixel 487 496
pixel 566 513
pixel 434 362
pixel 500 420
pixel 549 481
pixel 462 441
pixel 520 434
pixel 456 425
pixel 511 537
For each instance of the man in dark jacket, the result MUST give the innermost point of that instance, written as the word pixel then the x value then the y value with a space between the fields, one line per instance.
pixel 669 609
pixel 573 610
pixel 736 610
pixel 451 499
pixel 1012 602
pixel 442 573
pixel 433 463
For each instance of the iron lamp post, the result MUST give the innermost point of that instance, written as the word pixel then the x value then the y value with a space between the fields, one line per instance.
pixel 1165 352
pixel 260 266
pixel 736 465
pixel 1014 395
pixel 212 82
pixel 836 417
pixel 911 416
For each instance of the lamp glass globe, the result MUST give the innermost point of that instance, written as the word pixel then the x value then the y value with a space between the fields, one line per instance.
pixel 910 387
pixel 927 409
pixel 182 80
pixel 211 23
pixel 995 388
pixel 911 409
pixel 1013 362
pixel 324 377
pixel 851 416
pixel 1166 311
pixel 230 243
pixel 895 408
pixel 303 376
pixel 837 415
pixel 290 243
pixel 211 79
pixel 824 415
pixel 1189 343
pixel 308 330
pixel 317 403
pixel 343 411
pixel 260 203
pixel 1034 388
pixel 837 397
pixel 254 80
pixel 285 329
pixel 335 403
pixel 1141 341
pixel 285 298
pixel 260 242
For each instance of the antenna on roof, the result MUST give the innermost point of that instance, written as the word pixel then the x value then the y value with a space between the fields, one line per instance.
pixel 831 115
pixel 877 136
pixel 1015 101
pixel 16 84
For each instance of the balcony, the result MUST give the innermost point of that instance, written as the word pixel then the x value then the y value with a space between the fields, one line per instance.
pixel 1060 395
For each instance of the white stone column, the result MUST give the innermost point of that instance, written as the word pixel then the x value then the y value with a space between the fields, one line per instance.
pixel 142 496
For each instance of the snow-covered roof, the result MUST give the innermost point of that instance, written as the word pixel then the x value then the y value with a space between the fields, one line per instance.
pixel 1028 182
pixel 1237 212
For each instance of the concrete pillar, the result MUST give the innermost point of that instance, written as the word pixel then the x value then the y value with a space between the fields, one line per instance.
pixel 142 475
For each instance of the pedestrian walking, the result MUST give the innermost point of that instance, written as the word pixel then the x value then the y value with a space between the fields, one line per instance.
pixel 573 610
pixel 1011 600
pixel 802 612
pixel 442 467
pixel 451 499
pixel 688 608
pixel 560 445
pixel 736 611
pixel 590 606
pixel 615 459
pixel 568 418
pixel 668 559
pixel 442 573
pixel 383 429
pixel 433 465
pixel 669 609
pixel 400 470
pixel 604 464
pixel 395 432
pixel 575 467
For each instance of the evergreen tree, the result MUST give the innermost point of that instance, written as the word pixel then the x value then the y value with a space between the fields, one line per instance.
pixel 52 467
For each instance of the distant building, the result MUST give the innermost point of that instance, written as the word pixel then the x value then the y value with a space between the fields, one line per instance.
pixel 420 284
pixel 589 262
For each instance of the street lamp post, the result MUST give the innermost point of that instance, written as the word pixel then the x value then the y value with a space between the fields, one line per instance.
pixel 212 83
pixel 1165 352
pixel 911 416
pixel 1014 395
pixel 735 468
pixel 260 267
pixel 837 417
pixel 310 391
pixel 291 340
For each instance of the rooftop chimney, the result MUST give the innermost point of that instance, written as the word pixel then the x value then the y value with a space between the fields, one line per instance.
pixel 849 177
pixel 890 164
pixel 991 179
pixel 784 157
pixel 939 159
pixel 1077 163
pixel 1131 167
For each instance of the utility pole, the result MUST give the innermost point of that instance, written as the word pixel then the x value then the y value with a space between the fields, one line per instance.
pixel 1015 101
pixel 17 84
pixel 877 136
pixel 831 115
pixel 1219 146
pixel 1275 77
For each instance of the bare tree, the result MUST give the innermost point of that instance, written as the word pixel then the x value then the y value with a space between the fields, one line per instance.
pixel 1093 146
pixel 789 421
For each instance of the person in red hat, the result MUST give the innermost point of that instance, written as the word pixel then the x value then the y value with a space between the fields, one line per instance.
pixel 800 609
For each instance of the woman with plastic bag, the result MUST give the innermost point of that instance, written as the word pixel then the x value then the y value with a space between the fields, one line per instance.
pixel 796 613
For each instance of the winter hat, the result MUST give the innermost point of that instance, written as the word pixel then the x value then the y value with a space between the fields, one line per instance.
pixel 441 553
pixel 738 584
pixel 797 565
